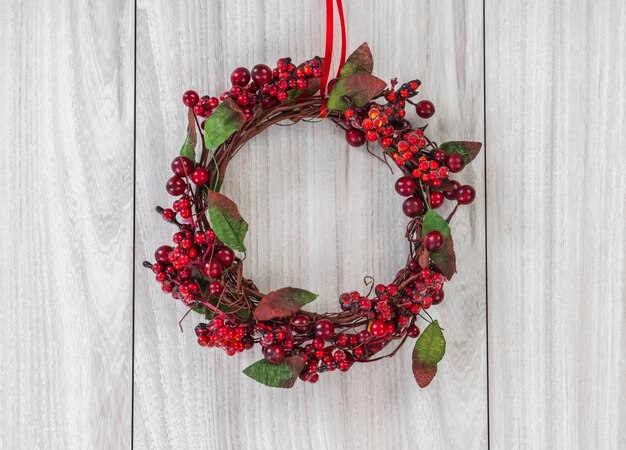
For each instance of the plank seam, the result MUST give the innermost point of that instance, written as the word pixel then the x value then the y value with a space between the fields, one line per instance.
pixel 132 389
pixel 486 220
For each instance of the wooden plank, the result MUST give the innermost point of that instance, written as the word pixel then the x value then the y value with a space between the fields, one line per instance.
pixel 321 217
pixel 556 222
pixel 66 90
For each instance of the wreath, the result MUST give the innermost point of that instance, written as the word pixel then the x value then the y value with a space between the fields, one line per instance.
pixel 204 266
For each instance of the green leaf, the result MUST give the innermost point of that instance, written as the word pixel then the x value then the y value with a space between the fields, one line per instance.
pixel 360 87
pixel 188 149
pixel 431 345
pixel 444 259
pixel 282 303
pixel 360 60
pixel 434 222
pixel 468 150
pixel 282 375
pixel 225 120
pixel 226 221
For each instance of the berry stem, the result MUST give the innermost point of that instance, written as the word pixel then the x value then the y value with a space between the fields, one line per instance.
pixel 452 213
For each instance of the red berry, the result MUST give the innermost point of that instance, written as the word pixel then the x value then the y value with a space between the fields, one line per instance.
pixel 200 176
pixel 425 109
pixel 261 74
pixel 175 186
pixel 213 269
pixel 364 336
pixel 331 84
pixel 168 214
pixel 161 277
pixel 436 199
pixel 405 186
pixel 440 156
pixel 248 112
pixel 202 110
pixel 269 102
pixel 433 241
pixel 355 138
pixel 161 254
pixel 413 207
pixel 300 324
pixel 378 328
pixel 274 353
pixel 225 256
pixel 182 166
pixel 191 98
pixel 437 297
pixel 345 365
pixel 324 329
pixel 302 83
pixel 371 136
pixel 215 288
pixel 455 162
pixel 465 194
pixel 413 331
pixel 318 343
pixel 240 76
pixel 451 194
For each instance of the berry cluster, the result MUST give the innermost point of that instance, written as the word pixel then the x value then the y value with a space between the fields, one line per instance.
pixel 221 332
pixel 178 267
pixel 261 86
pixel 195 252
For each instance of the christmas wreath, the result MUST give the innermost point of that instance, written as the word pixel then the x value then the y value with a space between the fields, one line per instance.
pixel 204 266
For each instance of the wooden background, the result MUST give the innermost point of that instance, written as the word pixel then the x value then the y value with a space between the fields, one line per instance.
pixel 90 117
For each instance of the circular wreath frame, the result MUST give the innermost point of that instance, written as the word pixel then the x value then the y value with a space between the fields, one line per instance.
pixel 297 343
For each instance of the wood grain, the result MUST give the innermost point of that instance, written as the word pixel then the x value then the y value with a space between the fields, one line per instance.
pixel 556 222
pixel 66 90
pixel 322 216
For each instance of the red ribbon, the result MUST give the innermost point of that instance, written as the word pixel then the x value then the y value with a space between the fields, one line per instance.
pixel 342 58
pixel 328 54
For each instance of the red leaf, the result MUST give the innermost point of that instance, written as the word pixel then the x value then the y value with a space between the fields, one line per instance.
pixel 467 149
pixel 282 303
pixel 424 373
pixel 360 60
pixel 360 87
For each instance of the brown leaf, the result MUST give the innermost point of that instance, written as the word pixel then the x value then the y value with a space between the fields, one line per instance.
pixel 423 258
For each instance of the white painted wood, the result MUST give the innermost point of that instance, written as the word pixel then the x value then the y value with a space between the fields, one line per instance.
pixel 322 216
pixel 66 137
pixel 556 222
